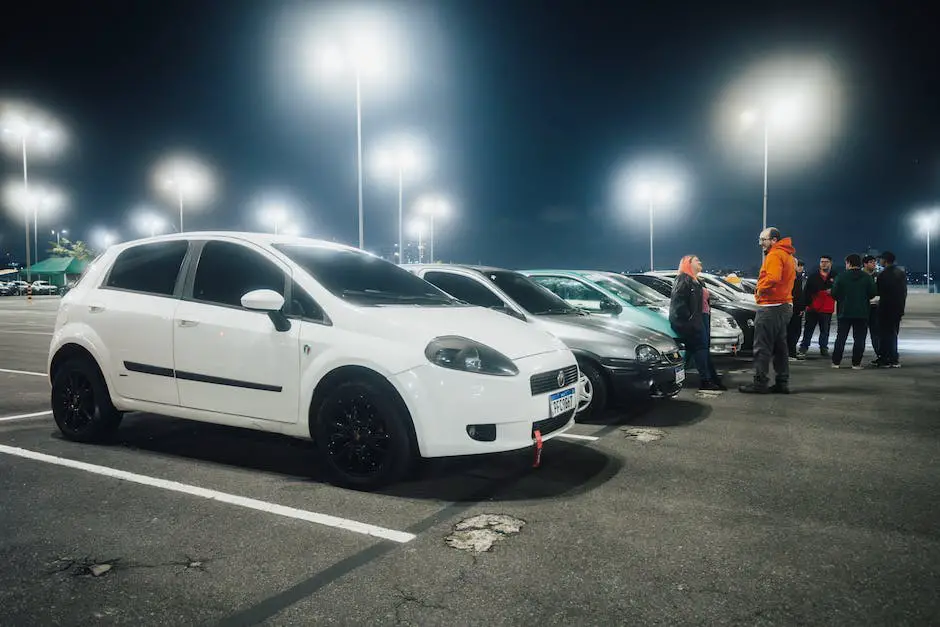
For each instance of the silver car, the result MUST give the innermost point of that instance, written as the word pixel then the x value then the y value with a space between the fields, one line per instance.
pixel 618 360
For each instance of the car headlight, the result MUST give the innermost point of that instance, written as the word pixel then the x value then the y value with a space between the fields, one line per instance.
pixel 460 353
pixel 646 353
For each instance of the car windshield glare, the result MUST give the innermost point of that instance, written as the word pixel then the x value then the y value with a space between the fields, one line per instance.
pixel 624 292
pixel 531 296
pixel 363 279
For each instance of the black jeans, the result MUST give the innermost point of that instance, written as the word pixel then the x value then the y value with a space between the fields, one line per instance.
pixel 698 349
pixel 814 318
pixel 874 331
pixel 859 328
pixel 889 327
pixel 770 343
pixel 793 331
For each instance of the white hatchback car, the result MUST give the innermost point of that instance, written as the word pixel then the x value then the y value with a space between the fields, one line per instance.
pixel 306 338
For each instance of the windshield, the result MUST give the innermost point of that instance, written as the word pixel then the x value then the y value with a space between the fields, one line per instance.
pixel 528 294
pixel 645 296
pixel 363 279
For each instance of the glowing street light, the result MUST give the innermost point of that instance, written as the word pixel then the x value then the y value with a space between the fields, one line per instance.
pixel 360 46
pixel 182 178
pixel 927 222
pixel 25 128
pixel 40 198
pixel 419 228
pixel 104 238
pixel 58 236
pixel 402 157
pixel 278 209
pixel 433 207
pixel 651 192
pixel 151 223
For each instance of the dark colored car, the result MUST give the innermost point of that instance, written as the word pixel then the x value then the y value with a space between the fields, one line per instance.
pixel 743 313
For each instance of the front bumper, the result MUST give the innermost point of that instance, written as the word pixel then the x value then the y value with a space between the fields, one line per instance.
pixel 729 343
pixel 444 403
pixel 659 380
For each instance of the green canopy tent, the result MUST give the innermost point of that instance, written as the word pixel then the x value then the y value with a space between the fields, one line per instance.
pixel 56 270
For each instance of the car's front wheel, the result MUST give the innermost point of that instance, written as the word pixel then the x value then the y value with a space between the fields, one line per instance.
pixel 363 435
pixel 81 404
pixel 593 399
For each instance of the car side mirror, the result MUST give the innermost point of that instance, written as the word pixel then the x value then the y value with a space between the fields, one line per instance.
pixel 609 306
pixel 270 302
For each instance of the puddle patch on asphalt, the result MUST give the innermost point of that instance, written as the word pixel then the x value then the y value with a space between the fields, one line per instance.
pixel 479 533
pixel 643 434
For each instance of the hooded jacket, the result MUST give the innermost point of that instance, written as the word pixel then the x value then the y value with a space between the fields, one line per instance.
pixel 853 290
pixel 685 308
pixel 777 273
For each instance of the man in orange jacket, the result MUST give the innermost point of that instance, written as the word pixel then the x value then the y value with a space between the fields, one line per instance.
pixel 775 296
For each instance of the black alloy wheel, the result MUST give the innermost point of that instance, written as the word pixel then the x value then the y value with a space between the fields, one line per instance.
pixel 363 435
pixel 81 405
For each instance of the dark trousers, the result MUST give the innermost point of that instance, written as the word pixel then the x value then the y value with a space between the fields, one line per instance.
pixel 770 343
pixel 859 328
pixel 874 331
pixel 814 318
pixel 793 331
pixel 889 327
pixel 698 349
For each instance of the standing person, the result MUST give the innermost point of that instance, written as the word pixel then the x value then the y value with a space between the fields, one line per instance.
pixel 689 315
pixel 819 306
pixel 853 291
pixel 870 266
pixel 892 299
pixel 775 296
pixel 799 306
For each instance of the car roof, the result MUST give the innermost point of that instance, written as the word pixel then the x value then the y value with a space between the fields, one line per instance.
pixel 264 239
pixel 453 266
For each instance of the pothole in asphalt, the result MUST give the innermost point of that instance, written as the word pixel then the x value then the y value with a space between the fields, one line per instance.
pixel 643 434
pixel 479 533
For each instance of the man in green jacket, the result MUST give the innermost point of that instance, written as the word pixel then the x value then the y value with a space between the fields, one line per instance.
pixel 853 291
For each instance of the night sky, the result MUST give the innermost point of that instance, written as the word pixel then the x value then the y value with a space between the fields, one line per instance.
pixel 530 108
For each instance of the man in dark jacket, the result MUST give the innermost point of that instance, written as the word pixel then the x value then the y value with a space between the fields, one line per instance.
pixel 796 320
pixel 870 266
pixel 819 306
pixel 853 291
pixel 892 299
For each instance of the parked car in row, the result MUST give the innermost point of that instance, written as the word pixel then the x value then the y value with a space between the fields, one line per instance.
pixel 314 340
pixel 611 294
pixel 743 312
pixel 43 288
pixel 619 359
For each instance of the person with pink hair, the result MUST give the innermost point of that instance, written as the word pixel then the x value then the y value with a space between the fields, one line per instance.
pixel 690 317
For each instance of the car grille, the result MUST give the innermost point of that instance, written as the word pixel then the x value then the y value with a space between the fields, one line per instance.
pixel 550 425
pixel 548 381
pixel 673 357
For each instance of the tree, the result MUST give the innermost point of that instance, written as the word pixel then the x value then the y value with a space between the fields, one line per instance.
pixel 67 248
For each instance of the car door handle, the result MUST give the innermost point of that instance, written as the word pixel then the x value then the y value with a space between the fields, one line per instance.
pixel 95 308
pixel 188 323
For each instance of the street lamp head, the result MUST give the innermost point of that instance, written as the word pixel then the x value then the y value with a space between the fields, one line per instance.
pixel 927 221
pixel 21 123
pixel 184 176
pixel 404 154
pixel 434 206
pixel 418 228
pixel 40 197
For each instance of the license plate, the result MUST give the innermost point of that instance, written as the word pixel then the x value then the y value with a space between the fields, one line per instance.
pixel 560 402
pixel 680 374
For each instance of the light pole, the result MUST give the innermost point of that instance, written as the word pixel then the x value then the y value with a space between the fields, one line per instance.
pixel 405 157
pixel 48 199
pixel 782 114
pixel 58 236
pixel 928 221
pixel 184 178
pixel 651 192
pixel 24 125
pixel 433 207
pixel 418 228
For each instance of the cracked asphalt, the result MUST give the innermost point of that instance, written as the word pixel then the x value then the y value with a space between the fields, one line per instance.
pixel 821 507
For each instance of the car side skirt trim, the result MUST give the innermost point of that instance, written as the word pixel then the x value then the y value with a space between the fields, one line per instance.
pixel 160 371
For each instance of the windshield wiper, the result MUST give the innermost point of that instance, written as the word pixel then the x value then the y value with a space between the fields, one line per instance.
pixel 558 311
pixel 399 298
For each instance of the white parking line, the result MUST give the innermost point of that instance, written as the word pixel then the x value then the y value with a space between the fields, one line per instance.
pixel 213 495
pixel 35 414
pixel 32 374
pixel 574 436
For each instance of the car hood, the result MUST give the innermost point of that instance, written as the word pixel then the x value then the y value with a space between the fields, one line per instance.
pixel 582 331
pixel 511 337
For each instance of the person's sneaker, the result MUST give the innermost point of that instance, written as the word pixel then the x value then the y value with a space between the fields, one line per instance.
pixel 824 352
pixel 836 366
pixel 801 356
pixel 858 367
pixel 754 388
pixel 894 365
pixel 708 385
pixel 777 388
pixel 877 363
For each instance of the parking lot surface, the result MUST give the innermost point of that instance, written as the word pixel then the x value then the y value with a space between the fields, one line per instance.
pixel 819 507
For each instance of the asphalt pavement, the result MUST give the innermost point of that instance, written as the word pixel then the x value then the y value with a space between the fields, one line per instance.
pixel 820 507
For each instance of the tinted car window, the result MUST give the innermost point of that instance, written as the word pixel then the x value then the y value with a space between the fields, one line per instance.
pixel 303 305
pixel 528 294
pixel 363 279
pixel 464 288
pixel 149 268
pixel 228 271
pixel 575 292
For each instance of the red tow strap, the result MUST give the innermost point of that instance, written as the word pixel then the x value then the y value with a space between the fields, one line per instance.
pixel 538 449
